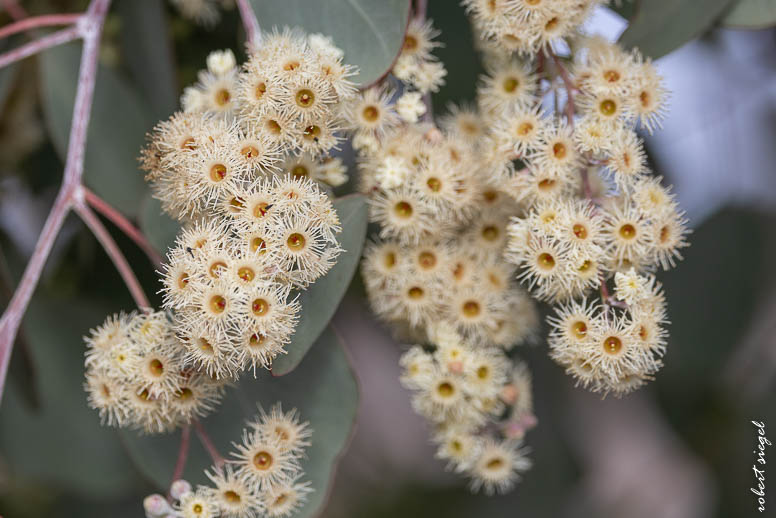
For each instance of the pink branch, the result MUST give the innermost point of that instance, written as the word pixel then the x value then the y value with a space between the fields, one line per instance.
pixel 204 438
pixel 33 47
pixel 421 6
pixel 569 84
pixel 250 22
pixel 114 252
pixel 124 224
pixel 90 29
pixel 39 21
pixel 14 10
pixel 9 324
pixel 183 453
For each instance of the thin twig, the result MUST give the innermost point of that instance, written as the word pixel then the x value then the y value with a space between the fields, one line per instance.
pixel 569 84
pixel 14 10
pixel 183 453
pixel 33 47
pixel 421 8
pixel 114 252
pixel 39 21
pixel 90 29
pixel 118 219
pixel 250 22
pixel 204 438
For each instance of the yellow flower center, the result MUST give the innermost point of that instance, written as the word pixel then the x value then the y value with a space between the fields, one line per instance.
pixel 612 345
pixel 403 209
pixel 260 307
pixel 262 460
pixel 296 242
pixel 305 98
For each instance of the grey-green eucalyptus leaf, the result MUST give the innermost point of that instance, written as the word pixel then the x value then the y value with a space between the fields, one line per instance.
pixel 119 121
pixel 158 227
pixel 62 442
pixel 751 14
pixel 320 301
pixel 147 51
pixel 661 26
pixel 370 32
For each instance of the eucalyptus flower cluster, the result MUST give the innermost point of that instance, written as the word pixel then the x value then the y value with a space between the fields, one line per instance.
pixel 543 181
pixel 256 229
pixel 263 477
pixel 241 168
pixel 436 273
pixel 464 390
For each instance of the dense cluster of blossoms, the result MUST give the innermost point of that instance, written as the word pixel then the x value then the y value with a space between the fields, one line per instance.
pixel 135 375
pixel 437 274
pixel 243 168
pixel 545 181
pixel 262 479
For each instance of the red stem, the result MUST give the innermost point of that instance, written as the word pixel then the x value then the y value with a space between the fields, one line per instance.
pixel 118 219
pixel 114 252
pixel 90 29
pixel 569 84
pixel 183 453
pixel 421 7
pixel 204 438
pixel 14 10
pixel 33 47
pixel 39 21
pixel 251 24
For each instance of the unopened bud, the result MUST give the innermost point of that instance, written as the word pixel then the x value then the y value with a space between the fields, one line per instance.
pixel 179 488
pixel 156 506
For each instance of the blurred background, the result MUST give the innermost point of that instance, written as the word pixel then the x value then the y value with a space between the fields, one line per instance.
pixel 682 447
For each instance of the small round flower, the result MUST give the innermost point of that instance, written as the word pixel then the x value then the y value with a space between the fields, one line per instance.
pixel 627 159
pixel 612 348
pixel 669 233
pixel 458 446
pixel 508 87
pixel 571 330
pixel 266 308
pixel 107 396
pixel 261 462
pixel 630 287
pixel 291 434
pixel 307 99
pixel 372 112
pixel 402 214
pixel 498 466
pixel 649 98
pixel 255 349
pixel 410 107
pixel 626 233
pixel 418 41
pixel 442 397
pixel 416 366
pixel 158 371
pixel 197 504
pixel 284 499
pixel 556 153
pixel 197 395
pixel 233 497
